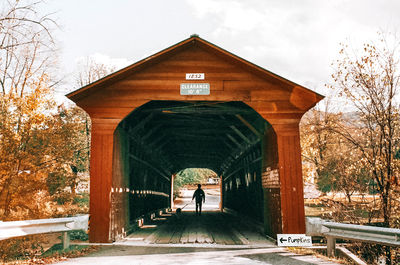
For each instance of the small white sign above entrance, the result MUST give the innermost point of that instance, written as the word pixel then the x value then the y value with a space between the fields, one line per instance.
pixel 294 240
pixel 195 76
pixel 195 89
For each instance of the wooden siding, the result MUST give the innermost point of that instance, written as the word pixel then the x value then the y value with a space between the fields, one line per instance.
pixel 228 82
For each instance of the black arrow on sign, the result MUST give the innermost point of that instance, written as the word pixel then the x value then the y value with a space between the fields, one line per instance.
pixel 282 240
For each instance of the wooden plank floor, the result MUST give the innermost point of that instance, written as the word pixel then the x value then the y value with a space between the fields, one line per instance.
pixel 187 228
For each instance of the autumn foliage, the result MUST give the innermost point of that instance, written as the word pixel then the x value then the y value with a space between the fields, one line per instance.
pixel 358 151
pixel 42 150
pixel 43 147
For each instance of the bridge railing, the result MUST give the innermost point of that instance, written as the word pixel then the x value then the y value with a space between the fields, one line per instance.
pixel 41 226
pixel 363 233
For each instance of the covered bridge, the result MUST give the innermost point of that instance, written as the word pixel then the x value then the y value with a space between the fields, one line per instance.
pixel 195 105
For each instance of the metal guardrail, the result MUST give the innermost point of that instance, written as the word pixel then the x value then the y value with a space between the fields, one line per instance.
pixel 42 226
pixel 363 233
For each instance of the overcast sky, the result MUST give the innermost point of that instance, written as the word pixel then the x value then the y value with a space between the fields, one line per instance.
pixel 295 39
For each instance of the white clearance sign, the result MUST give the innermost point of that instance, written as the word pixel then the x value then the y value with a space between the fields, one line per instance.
pixel 294 240
pixel 195 89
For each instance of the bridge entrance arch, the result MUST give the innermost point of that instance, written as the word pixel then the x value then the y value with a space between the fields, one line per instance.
pixel 195 105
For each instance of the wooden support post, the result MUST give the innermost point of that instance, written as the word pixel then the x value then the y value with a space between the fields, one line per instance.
pixel 65 240
pixel 331 246
pixel 101 170
pixel 221 194
pixel 283 180
pixel 291 178
pixel 172 191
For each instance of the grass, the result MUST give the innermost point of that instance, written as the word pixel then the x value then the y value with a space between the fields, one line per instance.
pixel 57 250
pixel 55 254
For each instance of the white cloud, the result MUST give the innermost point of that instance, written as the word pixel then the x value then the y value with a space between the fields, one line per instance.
pixel 295 40
pixel 233 15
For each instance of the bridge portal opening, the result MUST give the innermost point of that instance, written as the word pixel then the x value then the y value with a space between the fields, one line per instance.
pixel 185 183
pixel 163 139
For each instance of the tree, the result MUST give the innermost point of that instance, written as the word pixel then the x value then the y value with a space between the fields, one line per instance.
pixel 334 159
pixel 319 145
pixel 39 143
pixel 89 70
pixel 192 176
pixel 370 82
pixel 27 48
pixel 72 127
pixel 37 140
pixel 349 175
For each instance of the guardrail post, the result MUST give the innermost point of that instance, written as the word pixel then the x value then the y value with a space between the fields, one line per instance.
pixel 331 246
pixel 65 240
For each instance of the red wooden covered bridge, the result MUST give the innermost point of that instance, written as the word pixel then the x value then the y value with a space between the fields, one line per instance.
pixel 195 105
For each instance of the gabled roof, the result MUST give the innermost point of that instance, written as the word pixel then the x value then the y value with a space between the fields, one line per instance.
pixel 193 40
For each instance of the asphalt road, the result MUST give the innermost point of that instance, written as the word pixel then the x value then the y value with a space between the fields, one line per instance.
pixel 193 255
pixel 211 204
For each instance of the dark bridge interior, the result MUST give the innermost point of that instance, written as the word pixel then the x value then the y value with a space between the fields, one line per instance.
pixel 161 138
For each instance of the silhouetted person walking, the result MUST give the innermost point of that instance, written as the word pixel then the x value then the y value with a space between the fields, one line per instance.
pixel 200 198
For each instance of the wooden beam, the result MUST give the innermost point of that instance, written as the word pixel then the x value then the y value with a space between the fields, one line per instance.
pixel 204 107
pixel 161 145
pixel 149 165
pixel 206 157
pixel 254 130
pixel 236 170
pixel 142 143
pixel 233 140
pixel 238 132
pixel 141 123
pixel 202 130
pixel 205 149
pixel 154 129
pixel 182 119
pixel 197 136
pixel 157 140
pixel 228 145
pixel 235 156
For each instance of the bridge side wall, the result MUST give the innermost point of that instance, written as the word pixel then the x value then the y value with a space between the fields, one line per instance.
pixel 241 186
pixel 120 212
pixel 271 185
pixel 149 186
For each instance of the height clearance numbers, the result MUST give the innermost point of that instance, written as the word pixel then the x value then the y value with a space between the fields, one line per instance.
pixel 195 76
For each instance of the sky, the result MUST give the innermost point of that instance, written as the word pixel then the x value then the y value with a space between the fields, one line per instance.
pixel 296 39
